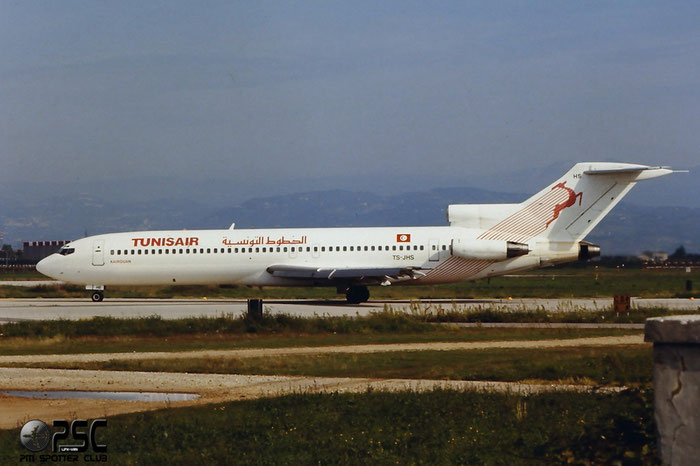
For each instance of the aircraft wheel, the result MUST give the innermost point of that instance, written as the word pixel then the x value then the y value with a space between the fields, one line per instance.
pixel 98 296
pixel 357 294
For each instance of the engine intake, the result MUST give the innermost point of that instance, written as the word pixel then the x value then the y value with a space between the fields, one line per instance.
pixel 484 249
pixel 587 251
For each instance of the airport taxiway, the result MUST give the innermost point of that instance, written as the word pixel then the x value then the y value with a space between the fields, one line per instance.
pixel 14 310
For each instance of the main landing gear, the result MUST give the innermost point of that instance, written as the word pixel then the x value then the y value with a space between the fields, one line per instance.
pixel 98 296
pixel 357 294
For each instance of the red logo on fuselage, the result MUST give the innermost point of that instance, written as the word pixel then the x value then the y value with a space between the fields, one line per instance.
pixel 145 242
pixel 568 203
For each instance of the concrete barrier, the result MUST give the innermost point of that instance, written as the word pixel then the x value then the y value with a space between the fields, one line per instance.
pixel 676 386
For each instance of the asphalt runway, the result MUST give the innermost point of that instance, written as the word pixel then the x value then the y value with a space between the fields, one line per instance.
pixel 14 310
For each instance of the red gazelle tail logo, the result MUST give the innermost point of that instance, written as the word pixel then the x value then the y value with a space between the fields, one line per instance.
pixel 568 203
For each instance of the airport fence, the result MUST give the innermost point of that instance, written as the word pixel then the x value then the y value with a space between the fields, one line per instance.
pixel 17 267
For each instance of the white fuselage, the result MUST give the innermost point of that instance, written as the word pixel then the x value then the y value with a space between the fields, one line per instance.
pixel 197 257
pixel 482 241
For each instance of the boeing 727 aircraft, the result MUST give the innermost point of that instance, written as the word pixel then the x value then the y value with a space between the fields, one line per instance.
pixel 482 240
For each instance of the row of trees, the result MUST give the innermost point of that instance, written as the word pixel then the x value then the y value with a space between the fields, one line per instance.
pixel 681 254
pixel 6 252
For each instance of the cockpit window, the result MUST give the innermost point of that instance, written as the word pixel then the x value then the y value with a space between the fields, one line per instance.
pixel 65 251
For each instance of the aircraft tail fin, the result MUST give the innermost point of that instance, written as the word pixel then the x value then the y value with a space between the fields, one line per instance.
pixel 568 209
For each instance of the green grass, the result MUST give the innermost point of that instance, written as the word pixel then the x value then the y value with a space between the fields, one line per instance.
pixel 21 274
pixel 565 313
pixel 560 282
pixel 572 283
pixel 608 365
pixel 380 322
pixel 384 322
pixel 129 343
pixel 107 334
pixel 437 427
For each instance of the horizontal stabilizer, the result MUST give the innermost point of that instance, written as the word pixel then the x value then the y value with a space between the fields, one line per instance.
pixel 643 172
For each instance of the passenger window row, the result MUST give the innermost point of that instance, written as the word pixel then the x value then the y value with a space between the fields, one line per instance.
pixel 133 252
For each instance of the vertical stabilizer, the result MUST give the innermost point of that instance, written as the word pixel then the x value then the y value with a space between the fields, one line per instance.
pixel 568 209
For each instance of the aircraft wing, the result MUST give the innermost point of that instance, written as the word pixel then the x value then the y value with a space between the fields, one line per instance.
pixel 379 274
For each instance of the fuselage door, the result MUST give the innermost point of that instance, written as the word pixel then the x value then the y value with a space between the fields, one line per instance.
pixel 434 250
pixel 98 254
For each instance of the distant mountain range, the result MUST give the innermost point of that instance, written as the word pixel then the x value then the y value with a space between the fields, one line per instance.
pixel 629 229
pixel 681 189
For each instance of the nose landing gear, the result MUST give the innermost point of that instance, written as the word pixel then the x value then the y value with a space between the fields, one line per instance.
pixel 98 292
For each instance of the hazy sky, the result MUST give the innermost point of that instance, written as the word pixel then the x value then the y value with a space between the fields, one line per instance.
pixel 308 89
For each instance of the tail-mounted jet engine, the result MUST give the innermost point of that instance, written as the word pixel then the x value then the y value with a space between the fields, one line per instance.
pixel 587 251
pixel 485 249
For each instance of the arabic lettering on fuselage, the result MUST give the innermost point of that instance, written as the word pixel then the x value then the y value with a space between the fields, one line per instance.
pixel 260 240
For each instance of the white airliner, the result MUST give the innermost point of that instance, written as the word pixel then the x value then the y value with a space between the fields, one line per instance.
pixel 482 240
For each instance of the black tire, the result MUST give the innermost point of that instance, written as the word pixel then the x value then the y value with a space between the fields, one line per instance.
pixel 98 296
pixel 357 294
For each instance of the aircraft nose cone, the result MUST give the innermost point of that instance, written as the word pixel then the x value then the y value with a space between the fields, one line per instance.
pixel 41 266
pixel 45 266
